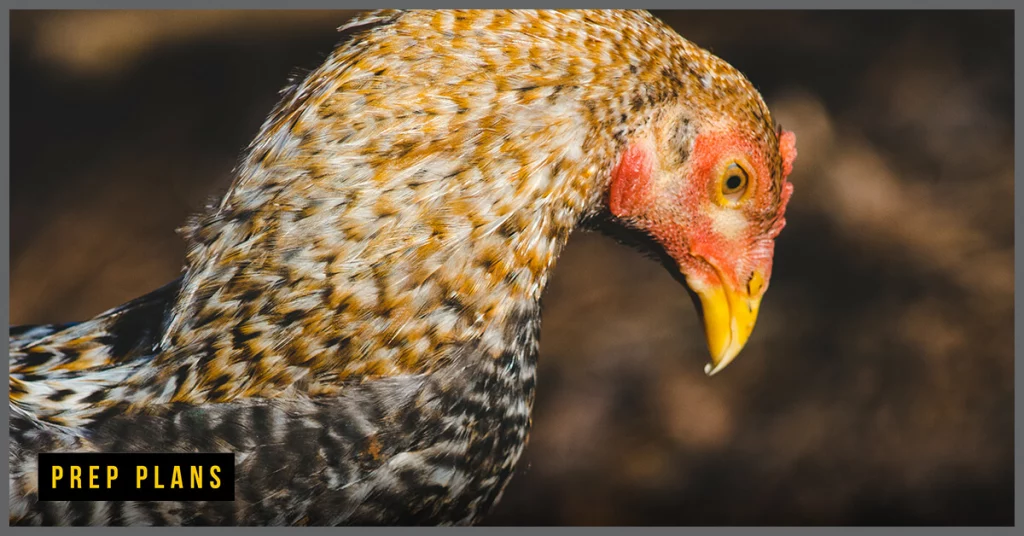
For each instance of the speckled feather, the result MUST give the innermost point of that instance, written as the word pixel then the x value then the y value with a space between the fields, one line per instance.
pixel 361 309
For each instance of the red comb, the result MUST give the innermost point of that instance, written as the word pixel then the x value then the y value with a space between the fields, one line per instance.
pixel 787 148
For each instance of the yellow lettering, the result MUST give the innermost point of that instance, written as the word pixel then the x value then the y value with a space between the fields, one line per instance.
pixel 93 476
pixel 140 474
pixel 156 477
pixel 76 475
pixel 213 474
pixel 197 477
pixel 58 473
pixel 111 474
pixel 176 477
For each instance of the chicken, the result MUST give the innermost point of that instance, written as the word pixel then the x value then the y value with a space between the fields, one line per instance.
pixel 358 317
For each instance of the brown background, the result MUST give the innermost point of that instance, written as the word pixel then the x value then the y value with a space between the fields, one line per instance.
pixel 878 386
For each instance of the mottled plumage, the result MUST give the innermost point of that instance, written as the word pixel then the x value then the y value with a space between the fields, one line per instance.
pixel 358 317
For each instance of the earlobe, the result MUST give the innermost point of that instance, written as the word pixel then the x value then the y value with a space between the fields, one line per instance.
pixel 631 180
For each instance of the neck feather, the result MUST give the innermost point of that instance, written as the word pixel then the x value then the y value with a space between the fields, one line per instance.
pixel 413 193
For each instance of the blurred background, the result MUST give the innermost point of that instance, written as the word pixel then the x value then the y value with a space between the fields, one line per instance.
pixel 877 388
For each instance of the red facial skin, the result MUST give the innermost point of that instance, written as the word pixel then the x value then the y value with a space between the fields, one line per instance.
pixel 678 207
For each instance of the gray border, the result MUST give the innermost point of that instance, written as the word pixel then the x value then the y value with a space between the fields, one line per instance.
pixel 656 4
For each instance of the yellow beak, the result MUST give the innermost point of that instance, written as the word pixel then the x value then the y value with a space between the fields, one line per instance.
pixel 729 317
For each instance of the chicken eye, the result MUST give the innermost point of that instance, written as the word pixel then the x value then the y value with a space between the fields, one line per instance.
pixel 734 182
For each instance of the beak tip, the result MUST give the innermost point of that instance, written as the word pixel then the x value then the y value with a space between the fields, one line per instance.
pixel 717 366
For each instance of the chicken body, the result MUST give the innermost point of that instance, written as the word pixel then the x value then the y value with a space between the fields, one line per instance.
pixel 358 318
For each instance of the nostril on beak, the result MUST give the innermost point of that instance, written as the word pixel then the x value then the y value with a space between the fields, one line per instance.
pixel 755 283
